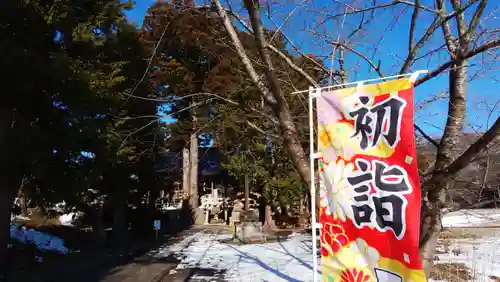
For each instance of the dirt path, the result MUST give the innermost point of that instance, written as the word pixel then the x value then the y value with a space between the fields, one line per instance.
pixel 190 274
pixel 132 264
pixel 473 232
pixel 149 268
pixel 144 269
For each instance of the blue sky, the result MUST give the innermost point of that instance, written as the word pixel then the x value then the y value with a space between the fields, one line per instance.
pixel 384 39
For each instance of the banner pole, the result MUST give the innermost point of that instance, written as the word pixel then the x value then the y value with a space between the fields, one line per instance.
pixel 313 185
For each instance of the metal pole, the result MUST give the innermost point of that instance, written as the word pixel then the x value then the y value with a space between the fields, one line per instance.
pixel 313 187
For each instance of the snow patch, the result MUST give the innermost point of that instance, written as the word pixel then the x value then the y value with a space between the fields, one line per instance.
pixel 481 255
pixel 290 260
pixel 41 240
pixel 471 218
pixel 19 217
pixel 68 218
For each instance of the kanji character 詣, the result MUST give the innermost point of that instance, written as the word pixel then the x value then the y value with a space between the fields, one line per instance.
pixel 379 200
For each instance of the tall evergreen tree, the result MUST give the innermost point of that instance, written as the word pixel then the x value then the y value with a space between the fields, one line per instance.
pixel 71 68
pixel 200 68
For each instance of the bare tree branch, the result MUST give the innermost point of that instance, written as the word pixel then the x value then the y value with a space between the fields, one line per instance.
pixel 282 55
pixel 417 5
pixel 343 73
pixel 476 18
pixel 481 144
pixel 396 2
pixel 354 11
pixel 413 24
pixel 277 103
pixel 293 65
pixel 411 50
pixel 375 68
pixel 243 55
pixel 461 25
pixel 297 7
pixel 257 128
pixel 445 26
pixel 440 21
pixel 357 11
pixel 478 50
pixel 427 137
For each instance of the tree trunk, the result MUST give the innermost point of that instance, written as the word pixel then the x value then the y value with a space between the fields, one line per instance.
pixel 269 222
pixel 448 150
pixel 186 188
pixel 98 231
pixel 275 98
pixel 22 199
pixel 273 95
pixel 431 228
pixel 247 196
pixel 11 164
pixel 450 146
pixel 153 195
pixel 97 224
pixel 193 171
pixel 284 210
pixel 120 224
pixel 7 196
pixel 308 204
pixel 304 214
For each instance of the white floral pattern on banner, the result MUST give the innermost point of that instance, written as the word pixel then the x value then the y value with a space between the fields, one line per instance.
pixel 336 195
pixel 369 255
pixel 353 256
pixel 351 103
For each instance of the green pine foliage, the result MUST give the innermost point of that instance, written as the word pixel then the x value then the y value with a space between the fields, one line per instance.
pixel 78 121
pixel 196 63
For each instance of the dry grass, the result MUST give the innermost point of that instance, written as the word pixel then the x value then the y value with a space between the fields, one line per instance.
pixel 494 278
pixel 446 238
pixel 40 222
pixel 456 272
pixel 456 233
pixel 471 260
pixel 38 219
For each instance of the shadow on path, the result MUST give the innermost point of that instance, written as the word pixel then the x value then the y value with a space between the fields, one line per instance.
pixel 260 263
pixel 108 264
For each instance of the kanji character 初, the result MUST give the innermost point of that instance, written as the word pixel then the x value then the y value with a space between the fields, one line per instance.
pixel 380 120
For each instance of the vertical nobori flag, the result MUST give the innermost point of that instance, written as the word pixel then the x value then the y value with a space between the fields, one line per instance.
pixel 369 184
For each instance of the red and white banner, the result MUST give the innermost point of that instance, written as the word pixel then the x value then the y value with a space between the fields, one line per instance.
pixel 369 184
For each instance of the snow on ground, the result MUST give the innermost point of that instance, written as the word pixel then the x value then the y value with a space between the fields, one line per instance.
pixel 19 217
pixel 481 255
pixel 290 260
pixel 43 241
pixel 472 218
pixel 67 218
